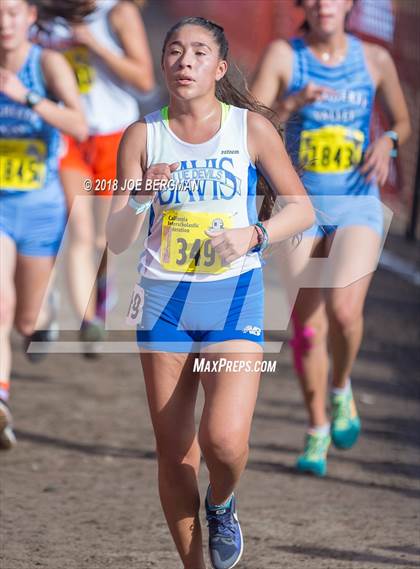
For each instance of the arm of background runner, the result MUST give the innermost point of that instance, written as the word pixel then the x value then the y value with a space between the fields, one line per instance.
pixel 377 158
pixel 60 81
pixel 267 150
pixel 271 80
pixel 135 67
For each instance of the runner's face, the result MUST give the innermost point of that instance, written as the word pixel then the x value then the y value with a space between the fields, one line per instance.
pixel 326 16
pixel 16 17
pixel 191 63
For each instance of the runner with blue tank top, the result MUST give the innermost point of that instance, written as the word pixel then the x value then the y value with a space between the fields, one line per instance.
pixel 323 86
pixel 329 138
pixel 201 287
pixel 32 205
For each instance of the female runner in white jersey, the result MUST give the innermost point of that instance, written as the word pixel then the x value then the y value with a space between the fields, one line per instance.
pixel 201 277
pixel 111 59
pixel 323 84
pixel 32 205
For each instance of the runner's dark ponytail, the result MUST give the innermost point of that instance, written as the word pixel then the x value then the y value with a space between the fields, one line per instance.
pixel 240 96
pixel 71 10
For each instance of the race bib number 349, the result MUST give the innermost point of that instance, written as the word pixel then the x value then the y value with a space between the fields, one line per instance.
pixel 22 164
pixel 331 149
pixel 185 248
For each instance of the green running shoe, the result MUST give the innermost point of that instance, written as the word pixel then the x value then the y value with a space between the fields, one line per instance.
pixel 346 425
pixel 314 457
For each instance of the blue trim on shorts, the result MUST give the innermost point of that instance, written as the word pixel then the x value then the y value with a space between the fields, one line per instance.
pixel 187 316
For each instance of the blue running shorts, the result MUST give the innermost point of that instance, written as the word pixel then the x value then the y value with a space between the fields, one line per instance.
pixel 187 316
pixel 34 220
pixel 336 212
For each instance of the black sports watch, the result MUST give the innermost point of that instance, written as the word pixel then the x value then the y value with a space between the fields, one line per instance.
pixel 32 98
pixel 395 139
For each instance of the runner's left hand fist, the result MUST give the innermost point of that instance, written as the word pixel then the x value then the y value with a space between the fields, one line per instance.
pixel 83 35
pixel 377 159
pixel 232 244
pixel 12 87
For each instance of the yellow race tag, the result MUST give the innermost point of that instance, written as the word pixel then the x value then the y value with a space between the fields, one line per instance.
pixel 78 57
pixel 331 149
pixel 22 164
pixel 185 248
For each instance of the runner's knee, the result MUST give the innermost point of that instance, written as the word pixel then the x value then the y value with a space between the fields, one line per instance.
pixel 344 316
pixel 100 241
pixel 172 452
pixel 227 447
pixel 25 323
pixel 305 338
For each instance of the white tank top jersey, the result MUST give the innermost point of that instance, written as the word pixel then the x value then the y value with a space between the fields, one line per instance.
pixel 108 104
pixel 213 188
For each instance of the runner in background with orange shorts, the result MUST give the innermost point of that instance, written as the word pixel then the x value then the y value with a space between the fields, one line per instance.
pixel 110 56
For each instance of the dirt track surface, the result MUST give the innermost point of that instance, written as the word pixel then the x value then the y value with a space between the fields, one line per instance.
pixel 79 491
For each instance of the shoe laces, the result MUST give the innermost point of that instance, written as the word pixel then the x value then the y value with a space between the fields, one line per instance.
pixel 315 446
pixel 341 408
pixel 221 525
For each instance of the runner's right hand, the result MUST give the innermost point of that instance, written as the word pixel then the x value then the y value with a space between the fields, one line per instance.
pixel 310 94
pixel 82 35
pixel 159 172
pixel 12 86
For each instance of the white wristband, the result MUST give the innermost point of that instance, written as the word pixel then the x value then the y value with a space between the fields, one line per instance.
pixel 139 207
